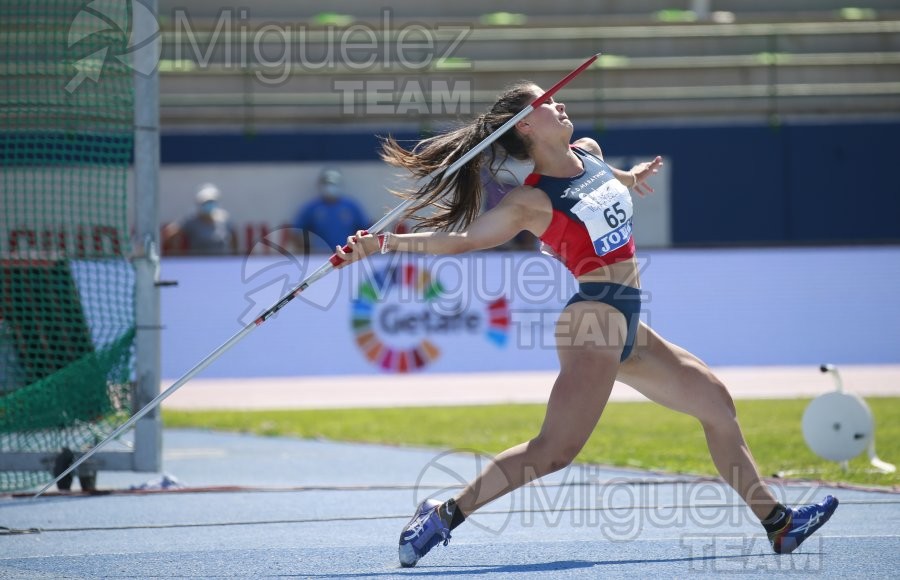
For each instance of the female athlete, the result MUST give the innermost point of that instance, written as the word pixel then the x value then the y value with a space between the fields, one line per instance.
pixel 581 208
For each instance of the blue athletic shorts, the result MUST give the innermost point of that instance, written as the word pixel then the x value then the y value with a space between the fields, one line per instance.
pixel 625 299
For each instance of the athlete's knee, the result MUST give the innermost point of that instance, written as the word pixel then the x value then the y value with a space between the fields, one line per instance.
pixel 562 458
pixel 715 403
pixel 720 410
pixel 555 453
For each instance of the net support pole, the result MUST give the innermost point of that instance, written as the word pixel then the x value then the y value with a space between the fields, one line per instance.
pixel 147 455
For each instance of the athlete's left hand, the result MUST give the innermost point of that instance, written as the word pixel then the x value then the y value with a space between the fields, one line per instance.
pixel 642 172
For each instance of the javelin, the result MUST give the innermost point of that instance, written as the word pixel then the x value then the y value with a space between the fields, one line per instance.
pixel 318 273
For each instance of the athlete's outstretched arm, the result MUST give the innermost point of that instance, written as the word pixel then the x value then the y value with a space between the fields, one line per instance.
pixel 523 208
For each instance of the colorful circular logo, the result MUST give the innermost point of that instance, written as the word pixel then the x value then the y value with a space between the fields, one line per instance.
pixel 401 339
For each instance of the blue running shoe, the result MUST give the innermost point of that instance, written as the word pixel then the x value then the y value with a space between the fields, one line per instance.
pixel 801 524
pixel 424 531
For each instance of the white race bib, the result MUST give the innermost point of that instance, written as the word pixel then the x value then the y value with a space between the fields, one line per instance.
pixel 607 213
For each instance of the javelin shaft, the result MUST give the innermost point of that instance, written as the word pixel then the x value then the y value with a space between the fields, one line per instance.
pixel 319 273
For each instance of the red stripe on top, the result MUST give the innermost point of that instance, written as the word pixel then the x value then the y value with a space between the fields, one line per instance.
pixel 532 179
pixel 572 243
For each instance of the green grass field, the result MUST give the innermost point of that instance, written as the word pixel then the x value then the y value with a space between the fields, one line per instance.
pixel 642 435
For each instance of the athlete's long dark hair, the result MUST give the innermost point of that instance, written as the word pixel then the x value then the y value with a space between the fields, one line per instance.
pixel 457 199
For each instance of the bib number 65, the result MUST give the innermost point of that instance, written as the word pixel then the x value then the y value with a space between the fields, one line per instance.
pixel 614 215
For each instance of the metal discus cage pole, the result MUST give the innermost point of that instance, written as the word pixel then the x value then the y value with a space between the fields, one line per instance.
pixel 147 455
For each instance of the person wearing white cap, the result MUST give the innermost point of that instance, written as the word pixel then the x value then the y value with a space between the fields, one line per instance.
pixel 209 231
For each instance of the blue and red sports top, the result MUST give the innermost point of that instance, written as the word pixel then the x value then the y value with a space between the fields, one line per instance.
pixel 592 212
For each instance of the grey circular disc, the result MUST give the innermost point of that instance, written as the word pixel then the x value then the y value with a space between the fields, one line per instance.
pixel 838 426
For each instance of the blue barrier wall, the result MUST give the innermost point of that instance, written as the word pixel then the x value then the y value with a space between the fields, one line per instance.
pixel 793 183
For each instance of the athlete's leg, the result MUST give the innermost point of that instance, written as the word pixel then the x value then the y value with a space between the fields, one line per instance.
pixel 588 367
pixel 671 376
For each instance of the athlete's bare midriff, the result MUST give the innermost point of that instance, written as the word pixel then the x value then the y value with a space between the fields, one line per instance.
pixel 625 273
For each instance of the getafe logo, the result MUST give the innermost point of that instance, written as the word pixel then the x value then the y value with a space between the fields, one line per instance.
pixel 399 329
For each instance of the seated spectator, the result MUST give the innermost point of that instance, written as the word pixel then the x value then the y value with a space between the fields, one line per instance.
pixel 208 232
pixel 328 219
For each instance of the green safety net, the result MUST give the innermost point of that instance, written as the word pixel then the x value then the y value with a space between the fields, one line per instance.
pixel 67 318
